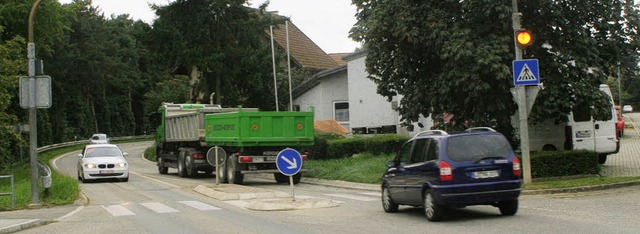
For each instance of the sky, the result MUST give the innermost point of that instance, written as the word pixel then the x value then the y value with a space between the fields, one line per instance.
pixel 326 22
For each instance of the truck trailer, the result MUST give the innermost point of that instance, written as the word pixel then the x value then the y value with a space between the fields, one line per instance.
pixel 251 140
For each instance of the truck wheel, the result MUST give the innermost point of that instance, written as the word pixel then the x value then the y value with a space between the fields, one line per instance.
pixel 297 177
pixel 188 165
pixel 222 172
pixel 280 178
pixel 233 173
pixel 181 170
pixel 161 168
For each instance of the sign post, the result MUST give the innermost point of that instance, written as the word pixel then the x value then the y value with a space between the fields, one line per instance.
pixel 216 156
pixel 289 162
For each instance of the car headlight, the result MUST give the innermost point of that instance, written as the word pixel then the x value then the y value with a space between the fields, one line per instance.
pixel 121 165
pixel 90 166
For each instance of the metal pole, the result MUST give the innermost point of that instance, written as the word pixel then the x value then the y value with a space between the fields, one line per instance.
pixel 522 102
pixel 33 124
pixel 293 195
pixel 289 66
pixel 619 89
pixel 273 58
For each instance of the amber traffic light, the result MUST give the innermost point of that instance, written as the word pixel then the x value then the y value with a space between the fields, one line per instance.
pixel 524 38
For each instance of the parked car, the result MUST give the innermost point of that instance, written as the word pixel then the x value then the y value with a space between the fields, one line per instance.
pixel 437 170
pixel 102 161
pixel 99 138
pixel 627 108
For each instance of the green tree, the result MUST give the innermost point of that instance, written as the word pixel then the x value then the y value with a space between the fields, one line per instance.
pixel 455 56
pixel 221 45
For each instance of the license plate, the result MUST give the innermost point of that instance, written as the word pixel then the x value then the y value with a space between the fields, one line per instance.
pixel 258 159
pixel 106 172
pixel 485 174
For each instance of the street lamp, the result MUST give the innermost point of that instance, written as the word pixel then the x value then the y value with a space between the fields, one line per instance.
pixel 33 124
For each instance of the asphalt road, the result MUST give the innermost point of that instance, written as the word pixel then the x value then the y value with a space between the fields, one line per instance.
pixel 154 203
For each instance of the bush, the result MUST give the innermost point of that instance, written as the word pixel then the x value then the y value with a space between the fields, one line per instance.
pixel 564 163
pixel 376 145
pixel 321 145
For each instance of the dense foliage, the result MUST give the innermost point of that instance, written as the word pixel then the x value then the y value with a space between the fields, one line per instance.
pixel 450 56
pixel 110 74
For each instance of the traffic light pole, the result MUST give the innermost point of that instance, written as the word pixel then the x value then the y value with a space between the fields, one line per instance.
pixel 522 102
pixel 33 124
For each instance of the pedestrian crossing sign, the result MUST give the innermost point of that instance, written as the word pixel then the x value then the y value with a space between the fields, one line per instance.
pixel 525 72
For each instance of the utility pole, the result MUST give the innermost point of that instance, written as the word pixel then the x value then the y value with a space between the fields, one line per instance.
pixel 522 102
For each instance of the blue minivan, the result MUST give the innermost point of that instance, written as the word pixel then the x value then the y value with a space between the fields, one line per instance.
pixel 437 170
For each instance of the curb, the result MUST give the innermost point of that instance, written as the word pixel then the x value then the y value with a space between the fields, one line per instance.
pixel 24 225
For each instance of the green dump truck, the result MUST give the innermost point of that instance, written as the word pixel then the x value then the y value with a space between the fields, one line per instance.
pixel 251 139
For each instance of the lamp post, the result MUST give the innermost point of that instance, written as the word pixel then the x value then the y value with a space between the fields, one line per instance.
pixel 33 124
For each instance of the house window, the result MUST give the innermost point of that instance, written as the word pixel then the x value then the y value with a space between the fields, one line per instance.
pixel 341 111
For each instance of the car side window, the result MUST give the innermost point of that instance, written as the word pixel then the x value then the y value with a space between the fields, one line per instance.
pixel 405 153
pixel 432 150
pixel 419 151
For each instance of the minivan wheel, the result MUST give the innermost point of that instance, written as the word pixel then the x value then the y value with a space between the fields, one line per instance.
pixel 508 207
pixel 602 158
pixel 388 204
pixel 432 210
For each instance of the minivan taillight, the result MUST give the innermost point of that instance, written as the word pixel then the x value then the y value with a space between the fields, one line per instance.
pixel 446 173
pixel 516 167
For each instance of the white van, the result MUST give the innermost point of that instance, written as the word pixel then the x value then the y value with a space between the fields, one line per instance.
pixel 580 132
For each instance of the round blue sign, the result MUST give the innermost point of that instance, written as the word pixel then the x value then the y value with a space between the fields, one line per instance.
pixel 289 161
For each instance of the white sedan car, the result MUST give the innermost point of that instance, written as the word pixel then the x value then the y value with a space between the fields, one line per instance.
pixel 102 161
pixel 627 108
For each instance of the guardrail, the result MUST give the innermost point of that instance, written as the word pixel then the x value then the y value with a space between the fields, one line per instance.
pixel 12 193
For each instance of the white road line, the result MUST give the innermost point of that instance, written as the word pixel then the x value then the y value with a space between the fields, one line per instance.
pixel 118 210
pixel 159 181
pixel 372 194
pixel 354 197
pixel 199 205
pixel 159 207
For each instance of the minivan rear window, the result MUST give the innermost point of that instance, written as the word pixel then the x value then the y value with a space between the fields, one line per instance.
pixel 476 147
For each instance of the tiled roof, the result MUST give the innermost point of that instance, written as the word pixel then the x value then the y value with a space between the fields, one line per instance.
pixel 303 50
pixel 329 126
pixel 338 57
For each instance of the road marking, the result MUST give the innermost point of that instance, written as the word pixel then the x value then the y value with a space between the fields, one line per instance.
pixel 354 197
pixel 159 181
pixel 199 205
pixel 372 194
pixel 118 210
pixel 159 207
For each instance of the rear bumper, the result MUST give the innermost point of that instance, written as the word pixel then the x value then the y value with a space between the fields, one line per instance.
pixel 477 193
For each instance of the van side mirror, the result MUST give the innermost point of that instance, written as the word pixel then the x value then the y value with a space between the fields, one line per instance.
pixel 79 155
pixel 125 154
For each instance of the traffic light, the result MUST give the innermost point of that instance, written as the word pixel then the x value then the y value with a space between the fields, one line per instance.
pixel 523 38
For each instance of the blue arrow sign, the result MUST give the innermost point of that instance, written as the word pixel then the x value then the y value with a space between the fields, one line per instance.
pixel 525 72
pixel 289 161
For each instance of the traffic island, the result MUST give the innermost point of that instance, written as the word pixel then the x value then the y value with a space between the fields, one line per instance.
pixel 283 204
pixel 226 192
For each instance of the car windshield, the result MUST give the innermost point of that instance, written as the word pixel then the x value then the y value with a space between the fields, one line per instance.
pixel 477 147
pixel 102 152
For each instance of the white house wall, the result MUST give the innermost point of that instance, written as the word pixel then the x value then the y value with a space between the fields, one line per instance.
pixel 332 88
pixel 366 107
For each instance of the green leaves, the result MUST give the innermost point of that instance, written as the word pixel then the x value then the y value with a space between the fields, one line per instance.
pixel 454 57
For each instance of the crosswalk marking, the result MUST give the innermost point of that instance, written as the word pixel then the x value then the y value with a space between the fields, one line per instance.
pixel 199 205
pixel 354 197
pixel 118 210
pixel 159 207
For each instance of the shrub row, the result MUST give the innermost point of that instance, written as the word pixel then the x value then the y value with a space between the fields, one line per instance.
pixel 331 146
pixel 564 163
